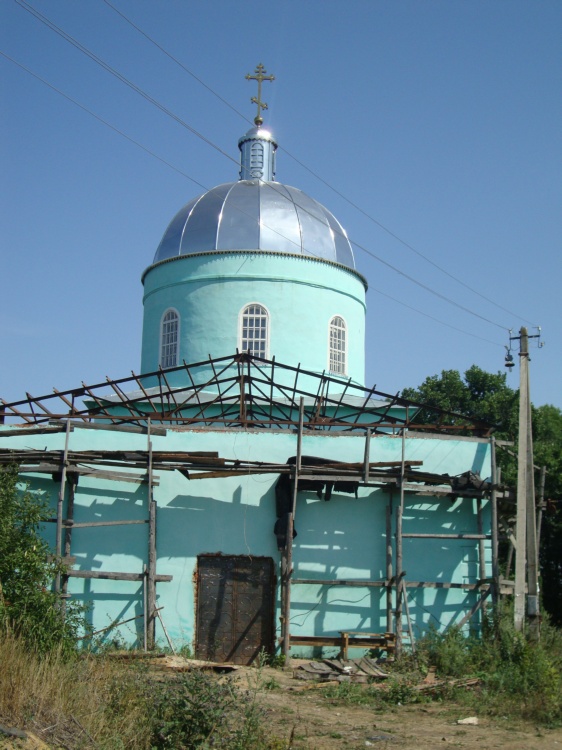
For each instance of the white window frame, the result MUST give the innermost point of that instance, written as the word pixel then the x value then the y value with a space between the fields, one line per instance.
pixel 266 315
pixel 161 357
pixel 341 353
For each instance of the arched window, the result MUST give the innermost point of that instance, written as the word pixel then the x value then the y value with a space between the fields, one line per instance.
pixel 254 330
pixel 338 346
pixel 169 338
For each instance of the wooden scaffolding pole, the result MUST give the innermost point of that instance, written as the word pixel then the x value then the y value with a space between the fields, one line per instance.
pixel 541 507
pixel 399 560
pixel 481 537
pixel 287 558
pixel 481 546
pixel 151 567
pixel 366 465
pixel 389 624
pixel 494 521
pixel 60 504
pixel 68 536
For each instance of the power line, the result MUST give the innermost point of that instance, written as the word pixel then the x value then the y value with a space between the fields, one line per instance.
pixel 315 174
pixel 75 43
pixel 178 62
pixel 101 119
pixel 428 288
pixel 152 153
pixel 201 185
pixel 400 240
pixel 431 317
pixel 67 37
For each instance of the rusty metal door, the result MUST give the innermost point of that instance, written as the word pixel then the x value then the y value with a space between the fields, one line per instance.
pixel 235 605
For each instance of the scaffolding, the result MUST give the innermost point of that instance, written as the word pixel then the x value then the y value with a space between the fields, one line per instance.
pixel 244 393
pixel 241 391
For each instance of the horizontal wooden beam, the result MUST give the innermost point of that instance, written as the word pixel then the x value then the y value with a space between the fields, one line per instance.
pixel 113 576
pixel 338 582
pixel 53 468
pixel 107 425
pixel 24 431
pixel 91 524
pixel 447 536
pixel 366 641
pixel 383 584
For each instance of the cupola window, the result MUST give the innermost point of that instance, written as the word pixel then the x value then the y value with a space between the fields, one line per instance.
pixel 256 160
pixel 169 339
pixel 338 346
pixel 254 330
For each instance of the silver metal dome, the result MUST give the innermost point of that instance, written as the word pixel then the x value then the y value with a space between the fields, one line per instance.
pixel 256 215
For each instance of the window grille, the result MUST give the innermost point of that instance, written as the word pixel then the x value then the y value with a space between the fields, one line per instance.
pixel 169 340
pixel 254 331
pixel 338 346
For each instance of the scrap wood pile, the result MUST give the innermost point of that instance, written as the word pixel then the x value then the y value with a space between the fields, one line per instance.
pixel 367 670
pixel 163 662
pixel 339 670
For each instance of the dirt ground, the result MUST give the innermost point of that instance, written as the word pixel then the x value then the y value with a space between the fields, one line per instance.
pixel 304 717
pixel 319 723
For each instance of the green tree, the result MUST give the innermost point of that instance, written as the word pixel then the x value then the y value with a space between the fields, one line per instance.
pixel 547 433
pixel 486 396
pixel 28 605
pixel 479 394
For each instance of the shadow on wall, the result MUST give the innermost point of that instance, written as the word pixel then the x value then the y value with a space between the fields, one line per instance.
pixel 344 538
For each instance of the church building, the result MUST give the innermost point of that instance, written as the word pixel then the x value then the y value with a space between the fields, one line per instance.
pixel 246 491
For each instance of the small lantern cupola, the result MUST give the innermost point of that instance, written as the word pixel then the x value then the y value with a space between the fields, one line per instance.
pixel 257 160
pixel 257 147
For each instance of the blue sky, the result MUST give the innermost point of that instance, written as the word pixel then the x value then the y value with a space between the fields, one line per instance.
pixel 440 120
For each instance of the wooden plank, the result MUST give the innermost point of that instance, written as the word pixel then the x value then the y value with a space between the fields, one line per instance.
pixel 370 667
pixel 53 468
pixel 24 430
pixel 115 625
pixel 494 520
pixel 68 537
pixel 151 566
pixel 399 574
pixel 114 576
pixel 339 582
pixel 60 502
pixel 444 585
pixel 367 455
pixel 447 536
pixel 389 563
pixel 335 640
pixel 92 524
pixel 389 582
pixel 473 610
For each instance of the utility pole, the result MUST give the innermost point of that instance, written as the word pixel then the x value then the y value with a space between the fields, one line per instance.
pixel 526 560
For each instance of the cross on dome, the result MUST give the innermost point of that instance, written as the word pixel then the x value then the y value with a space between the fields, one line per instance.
pixel 259 76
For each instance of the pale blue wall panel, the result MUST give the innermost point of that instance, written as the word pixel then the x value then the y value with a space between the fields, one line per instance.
pixel 344 538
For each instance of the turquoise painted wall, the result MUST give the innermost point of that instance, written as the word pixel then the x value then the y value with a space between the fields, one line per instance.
pixel 343 538
pixel 302 295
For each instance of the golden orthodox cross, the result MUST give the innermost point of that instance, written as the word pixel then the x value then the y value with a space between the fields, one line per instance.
pixel 259 77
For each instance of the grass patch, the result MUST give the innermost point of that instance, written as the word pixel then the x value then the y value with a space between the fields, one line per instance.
pixel 93 701
pixel 519 678
pixel 70 701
